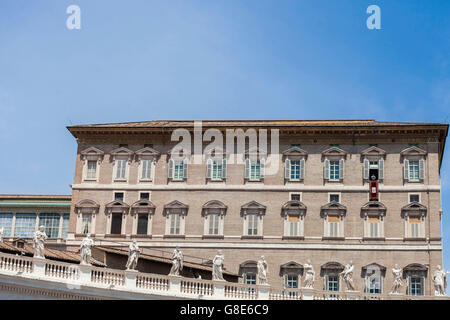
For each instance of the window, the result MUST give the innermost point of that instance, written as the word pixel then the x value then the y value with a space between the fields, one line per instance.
pixel 414 198
pixel 414 224
pixel 144 196
pixel 332 283
pixel 373 283
pixel 216 170
pixel 291 281
pixel 213 219
pixel 250 278
pixel 295 169
pixel 65 226
pixel 333 226
pixel 116 223
pixel 142 225
pixel 334 197
pixel 51 223
pixel 293 212
pixel 91 170
pixel 175 223
pixel 146 169
pixel 25 225
pixel 86 223
pixel 119 196
pixel 252 224
pixel 415 286
pixel 121 165
pixel 294 225
pixel 295 146
pixel 254 169
pixel 296 196
pixel 374 226
pixel 334 170
pixel 6 223
pixel 413 170
pixel 178 169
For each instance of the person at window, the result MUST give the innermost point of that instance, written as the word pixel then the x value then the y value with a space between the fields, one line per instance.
pixel 373 177
pixel 397 280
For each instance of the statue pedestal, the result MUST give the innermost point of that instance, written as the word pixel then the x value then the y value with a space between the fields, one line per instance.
pixel 351 295
pixel 130 279
pixel 263 291
pixel 85 273
pixel 174 284
pixel 308 293
pixel 219 289
pixel 395 296
pixel 39 267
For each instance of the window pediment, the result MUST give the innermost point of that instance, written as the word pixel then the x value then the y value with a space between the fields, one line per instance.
pixel 293 207
pixel 413 151
pixel 248 266
pixel 87 206
pixel 122 152
pixel 336 152
pixel 333 208
pixel 116 206
pixel 214 206
pixel 373 208
pixel 143 206
pixel 415 267
pixel 414 209
pixel 253 207
pixel 147 152
pixel 331 268
pixel 291 267
pixel 373 266
pixel 175 207
pixel 295 152
pixel 373 152
pixel 92 153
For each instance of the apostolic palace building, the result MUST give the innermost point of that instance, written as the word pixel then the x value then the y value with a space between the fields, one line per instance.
pixel 358 191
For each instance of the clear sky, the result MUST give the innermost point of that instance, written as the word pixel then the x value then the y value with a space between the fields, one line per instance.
pixel 180 59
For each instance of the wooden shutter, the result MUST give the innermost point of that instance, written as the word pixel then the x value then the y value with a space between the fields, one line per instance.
pixel 406 169
pixel 287 169
pixel 333 218
pixel 421 169
pixel 341 169
pixel 208 168
pixel 185 168
pixel 302 169
pixel 373 219
pixel 326 169
pixel 381 169
pixel 293 218
pixel 224 168
pixel 170 172
pixel 366 169
pixel 262 165
pixel 247 169
pixel 414 219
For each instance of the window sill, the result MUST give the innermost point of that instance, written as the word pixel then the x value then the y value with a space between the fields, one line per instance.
pixel 120 180
pixel 113 235
pixel 247 237
pixel 145 180
pixel 414 239
pixel 213 236
pixel 293 238
pixel 174 236
pixel 90 180
pixel 374 238
pixel 333 238
pixel 141 236
pixel 83 235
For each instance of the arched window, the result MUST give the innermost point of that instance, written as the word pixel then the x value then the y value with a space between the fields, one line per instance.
pixel 213 211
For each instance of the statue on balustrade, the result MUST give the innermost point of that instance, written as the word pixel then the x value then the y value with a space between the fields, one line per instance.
pixel 177 262
pixel 85 250
pixel 217 266
pixel 39 243
pixel 440 281
pixel 309 275
pixel 262 271
pixel 133 256
pixel 347 276
pixel 396 286
pixel 1 234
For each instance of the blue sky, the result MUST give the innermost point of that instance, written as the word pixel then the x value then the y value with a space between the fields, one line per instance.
pixel 254 59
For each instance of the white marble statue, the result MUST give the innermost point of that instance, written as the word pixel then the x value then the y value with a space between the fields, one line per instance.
pixel 262 271
pixel 347 276
pixel 177 262
pixel 133 256
pixel 2 231
pixel 85 250
pixel 440 281
pixel 309 275
pixel 217 266
pixel 397 284
pixel 39 243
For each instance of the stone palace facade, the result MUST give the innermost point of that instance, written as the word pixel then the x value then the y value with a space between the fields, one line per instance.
pixel 345 190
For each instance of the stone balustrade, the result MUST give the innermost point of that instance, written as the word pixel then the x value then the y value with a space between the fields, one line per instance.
pixel 154 285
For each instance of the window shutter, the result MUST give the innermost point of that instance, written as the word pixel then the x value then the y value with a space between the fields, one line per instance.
pixel 118 168
pixel 421 169
pixel 302 169
pixel 124 167
pixel 341 169
pixel 262 164
pixel 326 169
pixel 185 168
pixel 144 169
pixel 224 168
pixel 247 169
pixel 381 169
pixel 366 169
pixel 170 169
pixel 208 168
pixel 287 169
pixel 406 169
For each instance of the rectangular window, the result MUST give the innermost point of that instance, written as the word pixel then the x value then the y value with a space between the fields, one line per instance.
pixel 255 170
pixel 295 169
pixel 175 219
pixel 91 170
pixel 414 198
pixel 142 223
pixel 416 286
pixel 216 170
pixel 333 226
pixel 296 196
pixel 295 146
pixel 332 283
pixel 144 196
pixel 373 283
pixel 121 165
pixel 6 223
pixel 334 197
pixel 116 223
pixel 250 278
pixel 25 225
pixel 414 224
pixel 146 173
pixel 252 224
pixel 51 223
pixel 293 223
pixel 86 223
pixel 119 196
pixel 178 170
pixel 65 226
pixel 374 224
pixel 213 223
pixel 413 170
pixel 291 281
pixel 334 170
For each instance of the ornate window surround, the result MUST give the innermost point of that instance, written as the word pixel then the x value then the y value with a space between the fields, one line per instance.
pixel 292 268
pixel 142 207
pixel 213 207
pixel 294 154
pixel 146 153
pixel 331 269
pixel 371 268
pixel 413 154
pixel 415 210
pixel 369 210
pixel 86 206
pixel 121 153
pixel 253 207
pixel 248 267
pixel 334 154
pixel 254 154
pixel 91 154
pixel 293 208
pixel 337 210
pixel 116 206
pixel 175 207
pixel 415 270
pixel 373 154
